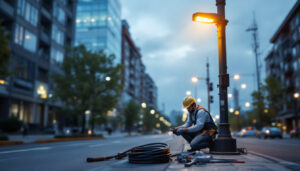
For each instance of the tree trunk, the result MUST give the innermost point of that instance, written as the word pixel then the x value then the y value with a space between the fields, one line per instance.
pixel 83 124
pixel 92 122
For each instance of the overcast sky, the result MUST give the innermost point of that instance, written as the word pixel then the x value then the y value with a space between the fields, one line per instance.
pixel 174 48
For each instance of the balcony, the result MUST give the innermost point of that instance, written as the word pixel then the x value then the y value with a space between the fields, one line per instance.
pixel 45 37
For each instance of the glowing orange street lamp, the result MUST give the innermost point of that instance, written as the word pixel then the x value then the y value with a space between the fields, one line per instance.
pixel 208 18
pixel 224 144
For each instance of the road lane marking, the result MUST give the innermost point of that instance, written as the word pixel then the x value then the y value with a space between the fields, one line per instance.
pixel 116 142
pixel 77 144
pixel 24 150
pixel 96 145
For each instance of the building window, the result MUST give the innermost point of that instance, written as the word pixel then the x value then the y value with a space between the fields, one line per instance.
pixel 30 41
pixel 24 69
pixel 58 35
pixel 57 56
pixel 29 12
pixel 59 13
pixel 27 40
pixel 19 34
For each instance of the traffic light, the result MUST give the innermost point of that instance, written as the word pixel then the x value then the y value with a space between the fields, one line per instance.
pixel 211 99
pixel 211 87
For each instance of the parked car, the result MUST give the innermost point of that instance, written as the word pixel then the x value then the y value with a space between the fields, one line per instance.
pixel 270 132
pixel 248 132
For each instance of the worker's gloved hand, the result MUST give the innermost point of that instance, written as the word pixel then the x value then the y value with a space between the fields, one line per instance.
pixel 180 131
pixel 174 130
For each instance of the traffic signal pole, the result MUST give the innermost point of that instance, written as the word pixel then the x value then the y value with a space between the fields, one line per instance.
pixel 208 86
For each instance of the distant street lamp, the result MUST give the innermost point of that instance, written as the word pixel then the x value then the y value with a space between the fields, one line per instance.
pixel 199 100
pixel 107 78
pixel 224 144
pixel 87 112
pixel 243 86
pixel 236 76
pixel 152 111
pixel 266 110
pixel 231 110
pixel 247 104
pixel 237 112
pixel 195 81
pixel 188 93
pixel 161 118
pixel 229 95
pixel 144 105
pixel 296 97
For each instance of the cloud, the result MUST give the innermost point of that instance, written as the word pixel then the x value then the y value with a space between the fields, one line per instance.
pixel 173 54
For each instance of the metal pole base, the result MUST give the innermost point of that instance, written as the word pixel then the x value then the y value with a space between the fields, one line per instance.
pixel 224 146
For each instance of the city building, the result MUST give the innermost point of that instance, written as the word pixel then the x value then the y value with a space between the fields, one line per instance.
pixel 150 92
pixel 98 26
pixel 40 31
pixel 283 62
pixel 133 68
pixel 138 85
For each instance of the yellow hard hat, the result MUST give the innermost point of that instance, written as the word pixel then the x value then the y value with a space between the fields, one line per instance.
pixel 188 101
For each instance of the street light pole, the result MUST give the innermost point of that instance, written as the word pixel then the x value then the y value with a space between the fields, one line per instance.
pixel 208 87
pixel 224 143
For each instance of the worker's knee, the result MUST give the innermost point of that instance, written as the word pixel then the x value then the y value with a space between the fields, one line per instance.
pixel 199 145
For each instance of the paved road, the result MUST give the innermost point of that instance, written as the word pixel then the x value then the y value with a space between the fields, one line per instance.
pixel 72 155
pixel 69 155
pixel 284 149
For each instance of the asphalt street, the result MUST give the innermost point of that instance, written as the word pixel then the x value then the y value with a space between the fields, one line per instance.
pixel 70 155
pixel 284 149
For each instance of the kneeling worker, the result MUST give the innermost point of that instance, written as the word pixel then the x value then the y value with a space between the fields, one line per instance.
pixel 199 128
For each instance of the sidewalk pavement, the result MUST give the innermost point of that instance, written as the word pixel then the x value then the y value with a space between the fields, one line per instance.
pixel 253 161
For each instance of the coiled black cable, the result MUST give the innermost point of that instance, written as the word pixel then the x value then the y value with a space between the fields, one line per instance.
pixel 144 154
pixel 150 153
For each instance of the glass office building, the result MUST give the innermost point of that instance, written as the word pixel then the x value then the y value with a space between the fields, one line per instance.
pixel 98 26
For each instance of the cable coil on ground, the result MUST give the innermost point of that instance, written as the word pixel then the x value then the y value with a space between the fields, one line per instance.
pixel 150 153
pixel 144 154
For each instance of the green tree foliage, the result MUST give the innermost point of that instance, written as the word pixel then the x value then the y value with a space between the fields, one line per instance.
pixel 149 121
pixel 131 115
pixel 275 95
pixel 83 86
pixel 266 105
pixel 4 53
pixel 11 124
pixel 258 108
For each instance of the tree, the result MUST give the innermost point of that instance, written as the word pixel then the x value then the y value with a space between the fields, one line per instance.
pixel 274 96
pixel 131 114
pixel 258 107
pixel 4 53
pixel 90 81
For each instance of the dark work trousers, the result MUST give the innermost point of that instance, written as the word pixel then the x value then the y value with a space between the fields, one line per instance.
pixel 196 140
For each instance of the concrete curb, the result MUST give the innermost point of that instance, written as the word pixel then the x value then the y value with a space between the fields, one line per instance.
pixel 3 143
pixel 287 164
pixel 66 139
